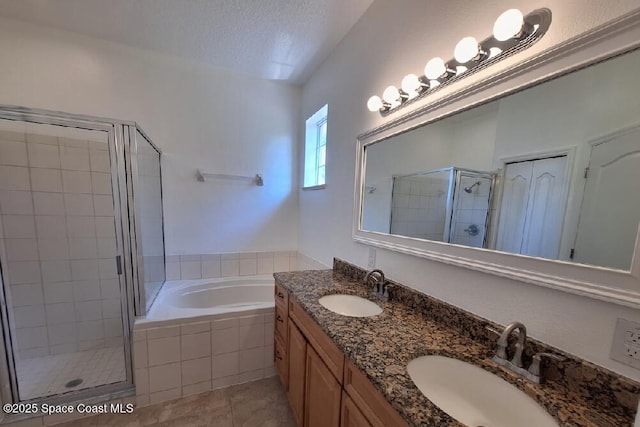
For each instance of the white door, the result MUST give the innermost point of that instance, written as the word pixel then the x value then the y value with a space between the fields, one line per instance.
pixel 545 211
pixel 513 209
pixel 610 211
pixel 532 210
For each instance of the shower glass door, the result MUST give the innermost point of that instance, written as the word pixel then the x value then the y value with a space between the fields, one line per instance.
pixel 60 236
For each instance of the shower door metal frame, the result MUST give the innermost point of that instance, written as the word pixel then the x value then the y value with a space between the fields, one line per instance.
pixel 117 146
pixel 459 173
pixel 137 260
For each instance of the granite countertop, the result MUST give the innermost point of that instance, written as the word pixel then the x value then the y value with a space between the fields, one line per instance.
pixel 382 346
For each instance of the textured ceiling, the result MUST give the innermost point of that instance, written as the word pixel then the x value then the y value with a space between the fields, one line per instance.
pixel 272 39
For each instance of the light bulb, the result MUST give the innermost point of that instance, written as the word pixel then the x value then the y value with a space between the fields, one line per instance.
pixel 435 68
pixel 391 94
pixel 466 50
pixel 509 24
pixel 374 103
pixel 411 83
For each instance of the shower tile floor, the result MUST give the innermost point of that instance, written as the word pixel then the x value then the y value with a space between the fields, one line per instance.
pixel 46 376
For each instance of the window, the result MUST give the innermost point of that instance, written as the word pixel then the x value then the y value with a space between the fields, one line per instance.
pixel 315 149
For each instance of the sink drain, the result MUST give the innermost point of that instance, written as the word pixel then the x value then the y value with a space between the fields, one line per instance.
pixel 73 383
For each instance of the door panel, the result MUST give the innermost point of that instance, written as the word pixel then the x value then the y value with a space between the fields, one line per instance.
pixel 323 393
pixel 545 210
pixel 610 213
pixel 533 202
pixel 514 202
pixel 297 358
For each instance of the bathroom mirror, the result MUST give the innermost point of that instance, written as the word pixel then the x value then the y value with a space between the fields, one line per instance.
pixel 538 182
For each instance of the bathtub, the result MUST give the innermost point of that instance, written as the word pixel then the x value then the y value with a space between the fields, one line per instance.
pixel 182 299
pixel 205 334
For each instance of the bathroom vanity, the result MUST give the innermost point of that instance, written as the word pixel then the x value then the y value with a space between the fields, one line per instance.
pixel 324 388
pixel 352 371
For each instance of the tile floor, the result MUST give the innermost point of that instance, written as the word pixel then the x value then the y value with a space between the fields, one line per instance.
pixel 46 376
pixel 261 403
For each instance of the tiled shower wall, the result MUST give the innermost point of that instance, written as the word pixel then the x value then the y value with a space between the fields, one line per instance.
pixel 58 235
pixel 208 266
pixel 419 206
pixel 472 209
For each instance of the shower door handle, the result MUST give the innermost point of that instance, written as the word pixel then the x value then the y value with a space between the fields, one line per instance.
pixel 119 264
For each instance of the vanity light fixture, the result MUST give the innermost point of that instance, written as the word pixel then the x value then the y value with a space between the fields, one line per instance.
pixel 512 33
pixel 436 68
pixel 510 24
pixel 392 95
pixel 467 50
pixel 412 85
pixel 375 103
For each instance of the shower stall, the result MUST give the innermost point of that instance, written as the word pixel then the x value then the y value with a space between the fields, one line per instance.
pixel 448 205
pixel 81 252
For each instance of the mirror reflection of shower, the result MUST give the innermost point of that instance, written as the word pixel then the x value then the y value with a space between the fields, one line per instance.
pixel 430 205
pixel 469 189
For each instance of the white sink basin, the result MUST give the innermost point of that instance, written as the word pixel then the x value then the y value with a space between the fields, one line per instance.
pixel 350 305
pixel 474 396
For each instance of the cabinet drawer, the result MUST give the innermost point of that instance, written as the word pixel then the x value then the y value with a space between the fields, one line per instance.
pixel 372 404
pixel 281 362
pixel 322 344
pixel 281 322
pixel 281 297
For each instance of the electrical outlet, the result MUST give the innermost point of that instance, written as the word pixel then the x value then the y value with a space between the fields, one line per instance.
pixel 632 351
pixel 372 258
pixel 626 343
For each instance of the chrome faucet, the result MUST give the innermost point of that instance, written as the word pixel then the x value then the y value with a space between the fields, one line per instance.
pixel 381 288
pixel 515 364
pixel 503 343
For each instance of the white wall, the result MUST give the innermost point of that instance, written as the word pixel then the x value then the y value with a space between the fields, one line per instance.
pixel 199 117
pixel 391 40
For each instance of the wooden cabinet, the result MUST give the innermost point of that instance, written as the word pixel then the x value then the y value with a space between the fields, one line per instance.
pixel 322 344
pixel 280 354
pixel 281 296
pixel 297 372
pixel 323 390
pixel 281 335
pixel 281 322
pixel 351 416
pixel 369 400
pixel 323 394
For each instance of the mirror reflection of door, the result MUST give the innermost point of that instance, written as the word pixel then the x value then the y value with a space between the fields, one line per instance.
pixel 608 225
pixel 534 195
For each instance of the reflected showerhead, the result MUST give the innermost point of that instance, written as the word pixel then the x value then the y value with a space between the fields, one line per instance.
pixel 469 189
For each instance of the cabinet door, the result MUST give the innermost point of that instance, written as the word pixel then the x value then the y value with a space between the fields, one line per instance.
pixel 351 416
pixel 323 393
pixel 281 362
pixel 297 358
